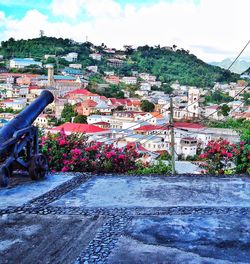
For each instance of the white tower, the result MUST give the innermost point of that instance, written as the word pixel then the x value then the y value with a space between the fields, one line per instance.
pixel 51 80
pixel 193 102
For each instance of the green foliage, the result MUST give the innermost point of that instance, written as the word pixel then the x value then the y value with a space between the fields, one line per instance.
pixel 147 106
pixel 164 156
pixel 224 110
pixel 96 79
pixel 243 157
pixel 246 98
pixel 218 97
pixel 242 126
pixel 9 110
pixel 68 112
pixel 80 119
pixel 113 91
pixel 179 65
pixel 158 168
pixel 167 65
pixel 166 88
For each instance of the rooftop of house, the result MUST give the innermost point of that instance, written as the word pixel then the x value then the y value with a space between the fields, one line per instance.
pixel 156 115
pixel 81 92
pixel 151 128
pixel 57 77
pixel 79 128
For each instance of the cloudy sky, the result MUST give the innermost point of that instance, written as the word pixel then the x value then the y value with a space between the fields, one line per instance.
pixel 210 29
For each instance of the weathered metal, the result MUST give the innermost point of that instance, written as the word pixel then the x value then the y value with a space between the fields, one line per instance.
pixel 19 142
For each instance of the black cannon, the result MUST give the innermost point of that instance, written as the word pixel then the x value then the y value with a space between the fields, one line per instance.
pixel 19 142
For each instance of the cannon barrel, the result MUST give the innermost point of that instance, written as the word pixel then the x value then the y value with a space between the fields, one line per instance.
pixel 27 116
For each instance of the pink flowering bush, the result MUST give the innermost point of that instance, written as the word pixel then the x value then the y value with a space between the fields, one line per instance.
pixel 242 158
pixel 218 156
pixel 73 153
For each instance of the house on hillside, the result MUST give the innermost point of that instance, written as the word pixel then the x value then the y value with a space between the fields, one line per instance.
pixel 112 79
pixel 155 118
pixel 71 57
pixel 85 129
pixel 212 112
pixel 80 95
pixel 96 56
pixel 91 119
pixel 129 80
pixel 20 63
pixel 116 63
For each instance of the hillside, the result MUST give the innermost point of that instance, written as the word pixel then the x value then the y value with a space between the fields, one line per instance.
pixel 167 65
pixel 239 66
pixel 247 71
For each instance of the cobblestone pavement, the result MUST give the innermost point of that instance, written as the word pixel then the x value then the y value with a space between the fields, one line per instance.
pixel 131 225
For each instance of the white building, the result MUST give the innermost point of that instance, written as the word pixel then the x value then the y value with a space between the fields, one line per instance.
pixel 144 86
pixel 75 65
pixel 92 119
pixel 129 80
pixel 41 121
pixel 212 112
pixel 193 102
pixel 23 62
pixel 96 56
pixel 15 104
pixel 188 147
pixel 71 57
pixel 92 68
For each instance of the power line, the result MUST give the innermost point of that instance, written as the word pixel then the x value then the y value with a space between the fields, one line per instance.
pixel 238 55
pixel 226 69
pixel 205 118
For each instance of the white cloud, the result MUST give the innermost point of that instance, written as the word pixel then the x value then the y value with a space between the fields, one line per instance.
pixel 94 8
pixel 212 30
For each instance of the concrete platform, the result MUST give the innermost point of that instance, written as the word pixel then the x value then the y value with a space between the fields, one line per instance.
pixel 126 219
pixel 159 192
pixel 20 194
pixel 45 239
pixel 185 239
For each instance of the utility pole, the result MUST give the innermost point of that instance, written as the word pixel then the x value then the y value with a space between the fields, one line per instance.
pixel 172 144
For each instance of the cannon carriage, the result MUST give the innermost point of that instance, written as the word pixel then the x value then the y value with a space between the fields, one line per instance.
pixel 19 147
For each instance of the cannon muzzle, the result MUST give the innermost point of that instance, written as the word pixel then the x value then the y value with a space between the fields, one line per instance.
pixel 27 116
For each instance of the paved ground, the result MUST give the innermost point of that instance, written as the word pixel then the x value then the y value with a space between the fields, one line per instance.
pixel 83 218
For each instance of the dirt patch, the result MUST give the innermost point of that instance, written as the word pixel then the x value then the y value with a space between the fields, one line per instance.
pixel 45 239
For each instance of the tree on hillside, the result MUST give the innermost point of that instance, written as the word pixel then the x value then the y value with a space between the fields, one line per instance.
pixel 147 106
pixel 68 112
pixel 80 119
pixel 224 110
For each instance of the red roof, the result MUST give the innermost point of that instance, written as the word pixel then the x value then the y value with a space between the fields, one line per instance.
pixel 7 101
pixel 32 87
pixel 176 125
pixel 101 123
pixel 104 98
pixel 137 146
pixel 82 92
pixel 151 127
pixel 122 101
pixel 188 125
pixel 79 128
pixel 8 74
pixel 89 103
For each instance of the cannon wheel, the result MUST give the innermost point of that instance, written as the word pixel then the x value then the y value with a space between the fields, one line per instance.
pixel 38 167
pixel 4 176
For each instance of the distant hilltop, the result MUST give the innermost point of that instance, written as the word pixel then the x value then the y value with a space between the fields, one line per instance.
pixel 239 66
pixel 168 64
